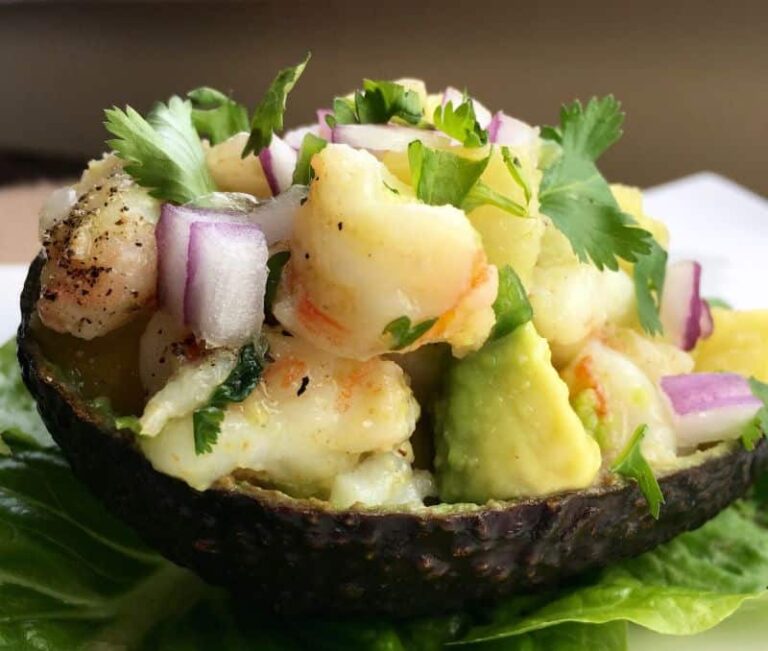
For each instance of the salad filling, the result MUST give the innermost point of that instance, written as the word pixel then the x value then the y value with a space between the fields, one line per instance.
pixel 413 300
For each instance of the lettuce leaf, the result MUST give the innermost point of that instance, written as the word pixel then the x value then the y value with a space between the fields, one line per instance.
pixel 73 578
pixel 19 420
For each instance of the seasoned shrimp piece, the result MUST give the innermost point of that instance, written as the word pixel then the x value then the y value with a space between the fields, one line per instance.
pixel 101 267
pixel 365 252
pixel 313 417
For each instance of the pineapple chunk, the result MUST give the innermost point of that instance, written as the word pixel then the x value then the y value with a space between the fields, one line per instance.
pixel 739 344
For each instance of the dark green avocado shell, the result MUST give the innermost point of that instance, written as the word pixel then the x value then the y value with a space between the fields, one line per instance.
pixel 293 555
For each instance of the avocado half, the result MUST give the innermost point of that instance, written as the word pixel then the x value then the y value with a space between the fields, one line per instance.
pixel 301 556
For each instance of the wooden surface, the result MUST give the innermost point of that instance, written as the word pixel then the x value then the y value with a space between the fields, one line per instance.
pixel 19 205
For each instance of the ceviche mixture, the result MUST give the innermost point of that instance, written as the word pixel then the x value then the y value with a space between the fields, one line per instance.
pixel 414 300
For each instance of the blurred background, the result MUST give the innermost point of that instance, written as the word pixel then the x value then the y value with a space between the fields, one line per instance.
pixel 693 76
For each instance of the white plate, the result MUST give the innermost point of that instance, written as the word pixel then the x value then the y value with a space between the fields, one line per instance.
pixel 711 219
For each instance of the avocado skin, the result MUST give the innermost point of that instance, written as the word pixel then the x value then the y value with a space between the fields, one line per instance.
pixel 296 556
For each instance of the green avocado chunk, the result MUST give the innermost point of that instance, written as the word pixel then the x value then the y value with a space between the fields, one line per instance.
pixel 505 427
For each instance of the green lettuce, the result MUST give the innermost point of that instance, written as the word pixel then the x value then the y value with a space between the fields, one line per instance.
pixel 74 578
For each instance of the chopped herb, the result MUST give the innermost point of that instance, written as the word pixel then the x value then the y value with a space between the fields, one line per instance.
pixel 378 103
pixel 576 197
pixel 268 116
pixel 163 152
pixel 310 146
pixel 441 177
pixel 237 387
pixel 275 265
pixel 217 116
pixel 514 167
pixel 758 427
pixel 403 334
pixel 632 464
pixel 649 273
pixel 511 306
pixel 461 123
pixel 719 302
pixel 390 188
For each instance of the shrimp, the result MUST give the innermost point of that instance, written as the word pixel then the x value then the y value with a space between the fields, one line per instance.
pixel 101 256
pixel 313 417
pixel 365 252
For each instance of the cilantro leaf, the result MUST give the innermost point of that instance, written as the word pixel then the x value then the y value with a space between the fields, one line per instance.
pixel 403 334
pixel 576 197
pixel 632 464
pixel 515 170
pixel 649 273
pixel 207 419
pixel 461 123
pixel 719 302
pixel 310 146
pixel 163 152
pixel 440 177
pixel 275 265
pixel 758 427
pixel 216 116
pixel 511 306
pixel 482 195
pixel 268 116
pixel 378 103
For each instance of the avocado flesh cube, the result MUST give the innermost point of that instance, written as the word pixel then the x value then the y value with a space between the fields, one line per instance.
pixel 506 428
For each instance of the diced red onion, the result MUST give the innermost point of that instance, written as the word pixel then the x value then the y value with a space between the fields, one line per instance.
pixel 323 130
pixel 172 234
pixel 278 161
pixel 385 137
pixel 681 304
pixel 226 282
pixel 295 137
pixel 510 132
pixel 456 97
pixel 708 407
pixel 706 322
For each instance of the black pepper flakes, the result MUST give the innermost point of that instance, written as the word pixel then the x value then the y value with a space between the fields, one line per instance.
pixel 304 385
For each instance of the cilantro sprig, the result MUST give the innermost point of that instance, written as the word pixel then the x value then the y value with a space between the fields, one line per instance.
pixel 217 116
pixel 461 123
pixel 511 307
pixel 207 419
pixel 311 145
pixel 163 152
pixel 440 177
pixel 268 115
pixel 378 102
pixel 403 334
pixel 758 426
pixel 633 465
pixel 578 200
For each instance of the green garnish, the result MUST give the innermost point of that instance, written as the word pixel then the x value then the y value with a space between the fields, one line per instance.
pixel 241 381
pixel 390 188
pixel 268 116
pixel 162 153
pixel 758 426
pixel 511 306
pixel 576 197
pixel 378 103
pixel 275 265
pixel 578 200
pixel 461 123
pixel 440 177
pixel 403 334
pixel 310 146
pixel 515 171
pixel 649 274
pixel 632 464
pixel 719 302
pixel 217 116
